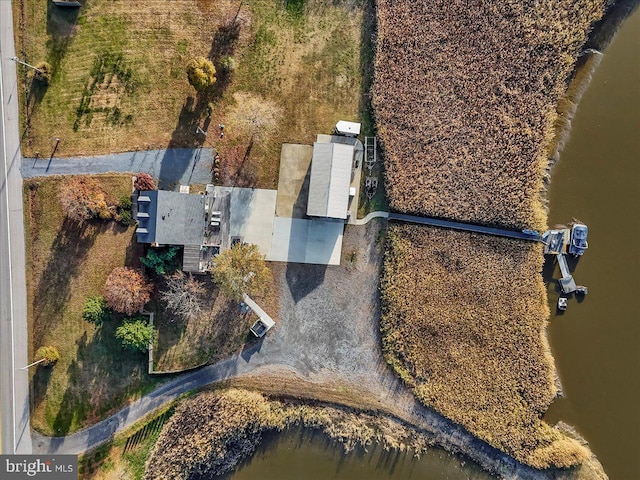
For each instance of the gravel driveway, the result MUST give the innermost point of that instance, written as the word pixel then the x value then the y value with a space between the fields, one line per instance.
pixel 328 319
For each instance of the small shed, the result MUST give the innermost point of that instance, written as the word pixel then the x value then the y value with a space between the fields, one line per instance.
pixel 350 129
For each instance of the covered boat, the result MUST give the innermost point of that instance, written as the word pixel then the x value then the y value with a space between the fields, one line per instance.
pixel 578 240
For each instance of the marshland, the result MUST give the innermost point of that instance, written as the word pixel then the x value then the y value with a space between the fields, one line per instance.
pixel 464 317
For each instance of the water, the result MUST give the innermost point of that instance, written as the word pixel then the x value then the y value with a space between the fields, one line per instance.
pixel 309 454
pixel 597 180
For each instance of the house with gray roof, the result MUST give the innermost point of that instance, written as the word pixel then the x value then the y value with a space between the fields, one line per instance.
pixel 172 218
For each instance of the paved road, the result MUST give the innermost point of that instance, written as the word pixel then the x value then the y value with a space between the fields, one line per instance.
pixel 14 383
pixel 468 227
pixel 171 166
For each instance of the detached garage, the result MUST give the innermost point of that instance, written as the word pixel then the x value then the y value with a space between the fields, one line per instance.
pixel 330 180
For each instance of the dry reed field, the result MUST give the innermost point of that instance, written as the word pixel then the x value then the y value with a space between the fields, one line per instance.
pixel 211 433
pixel 466 330
pixel 465 95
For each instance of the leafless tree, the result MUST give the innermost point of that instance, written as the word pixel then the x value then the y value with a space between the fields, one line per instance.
pixel 184 295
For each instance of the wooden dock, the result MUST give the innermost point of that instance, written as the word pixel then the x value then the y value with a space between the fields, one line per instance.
pixel 531 236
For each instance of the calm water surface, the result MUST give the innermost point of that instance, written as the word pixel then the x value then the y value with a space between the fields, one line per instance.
pixel 596 342
pixel 310 455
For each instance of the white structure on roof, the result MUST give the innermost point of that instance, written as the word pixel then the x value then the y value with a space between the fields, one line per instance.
pixel 331 167
pixel 351 129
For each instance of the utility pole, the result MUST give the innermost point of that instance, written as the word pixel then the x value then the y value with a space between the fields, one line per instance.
pixel 17 60
pixel 32 364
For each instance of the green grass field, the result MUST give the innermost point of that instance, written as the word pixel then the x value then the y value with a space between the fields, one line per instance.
pixel 66 264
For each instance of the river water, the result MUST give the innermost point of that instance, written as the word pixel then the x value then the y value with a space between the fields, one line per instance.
pixel 310 455
pixel 595 342
pixel 597 180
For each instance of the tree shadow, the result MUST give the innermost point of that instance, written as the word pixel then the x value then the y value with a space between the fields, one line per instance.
pixel 99 380
pixel 304 278
pixel 223 46
pixel 36 92
pixel 184 134
pixel 39 384
pixel 68 251
pixel 134 251
pixel 61 28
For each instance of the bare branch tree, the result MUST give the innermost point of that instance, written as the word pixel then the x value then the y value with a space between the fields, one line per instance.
pixel 253 117
pixel 184 295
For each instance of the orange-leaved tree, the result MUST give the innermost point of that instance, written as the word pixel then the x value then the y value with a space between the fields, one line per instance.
pixel 126 290
pixel 144 181
pixel 82 198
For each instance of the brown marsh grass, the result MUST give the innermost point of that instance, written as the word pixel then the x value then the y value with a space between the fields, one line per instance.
pixel 466 97
pixel 464 324
pixel 210 433
pixel 465 94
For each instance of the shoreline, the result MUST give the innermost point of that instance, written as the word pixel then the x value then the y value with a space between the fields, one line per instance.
pixel 588 62
pixel 602 34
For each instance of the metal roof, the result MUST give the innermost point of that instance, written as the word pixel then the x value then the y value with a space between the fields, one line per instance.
pixel 331 167
pixel 173 218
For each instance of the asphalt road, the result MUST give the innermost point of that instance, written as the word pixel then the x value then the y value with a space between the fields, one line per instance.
pixel 14 382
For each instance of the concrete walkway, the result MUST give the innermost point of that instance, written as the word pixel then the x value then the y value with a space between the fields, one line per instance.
pixel 172 167
pixel 370 216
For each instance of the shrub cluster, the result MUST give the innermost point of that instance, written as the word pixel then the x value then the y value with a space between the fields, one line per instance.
pixel 463 323
pixel 125 212
pixel 126 290
pixel 163 260
pixel 210 434
pixel 465 95
pixel 95 310
pixel 48 354
pixel 82 198
pixel 136 333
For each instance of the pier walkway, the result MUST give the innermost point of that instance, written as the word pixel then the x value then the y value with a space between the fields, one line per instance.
pixel 468 227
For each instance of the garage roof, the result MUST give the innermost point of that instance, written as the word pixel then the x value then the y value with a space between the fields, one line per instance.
pixel 330 180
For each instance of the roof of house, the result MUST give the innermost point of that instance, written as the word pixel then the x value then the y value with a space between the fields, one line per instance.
pixel 173 218
pixel 330 180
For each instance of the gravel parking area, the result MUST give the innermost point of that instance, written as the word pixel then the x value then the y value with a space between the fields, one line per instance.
pixel 328 319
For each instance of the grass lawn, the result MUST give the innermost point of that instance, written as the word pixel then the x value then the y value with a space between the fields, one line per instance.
pixel 119 80
pixel 218 333
pixel 65 265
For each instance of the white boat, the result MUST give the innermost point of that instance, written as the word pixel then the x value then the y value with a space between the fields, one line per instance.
pixel 562 303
